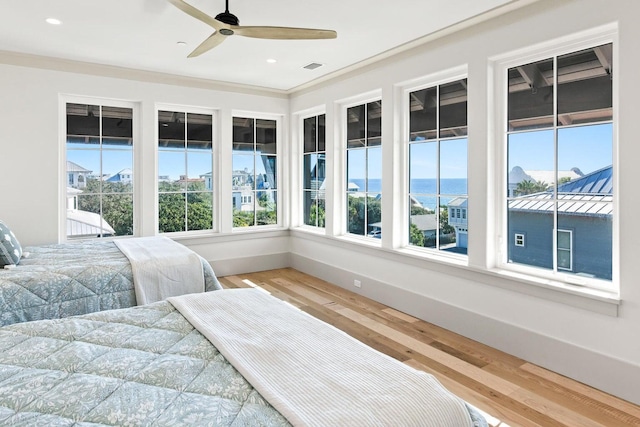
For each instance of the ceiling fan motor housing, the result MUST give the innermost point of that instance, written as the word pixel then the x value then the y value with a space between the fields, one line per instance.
pixel 228 18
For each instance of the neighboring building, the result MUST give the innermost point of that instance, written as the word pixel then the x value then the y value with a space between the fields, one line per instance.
pixel 208 181
pixel 125 176
pixel 243 199
pixel 584 226
pixel 426 223
pixel 77 175
pixel 82 223
pixel 241 178
pixel 184 179
pixel 458 219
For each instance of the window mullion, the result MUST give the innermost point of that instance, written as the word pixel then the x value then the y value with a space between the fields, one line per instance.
pixel 554 240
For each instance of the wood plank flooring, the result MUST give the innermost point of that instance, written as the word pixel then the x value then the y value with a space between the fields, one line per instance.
pixel 508 390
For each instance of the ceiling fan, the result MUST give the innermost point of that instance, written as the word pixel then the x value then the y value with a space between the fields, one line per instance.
pixel 226 24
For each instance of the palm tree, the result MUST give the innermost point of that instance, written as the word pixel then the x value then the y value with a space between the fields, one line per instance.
pixel 529 187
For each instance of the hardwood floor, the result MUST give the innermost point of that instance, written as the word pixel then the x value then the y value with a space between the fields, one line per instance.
pixel 508 390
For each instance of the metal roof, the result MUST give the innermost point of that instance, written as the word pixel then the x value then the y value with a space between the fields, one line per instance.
pixel 598 182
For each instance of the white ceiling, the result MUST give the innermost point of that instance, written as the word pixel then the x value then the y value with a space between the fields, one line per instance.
pixel 143 34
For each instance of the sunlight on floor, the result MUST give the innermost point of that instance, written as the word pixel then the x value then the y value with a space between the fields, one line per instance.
pixel 253 285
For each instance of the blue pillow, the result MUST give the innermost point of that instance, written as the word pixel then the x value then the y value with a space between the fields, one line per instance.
pixel 10 249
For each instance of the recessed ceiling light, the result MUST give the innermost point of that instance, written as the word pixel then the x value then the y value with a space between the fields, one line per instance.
pixel 271 61
pixel 181 43
pixel 53 21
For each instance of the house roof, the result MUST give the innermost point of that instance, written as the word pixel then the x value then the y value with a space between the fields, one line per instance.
pixel 590 195
pixel 116 177
pixel 83 223
pixel 458 202
pixel 598 182
pixel 425 222
pixel 74 167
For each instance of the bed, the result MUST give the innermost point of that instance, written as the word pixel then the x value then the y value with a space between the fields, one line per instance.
pixel 209 360
pixel 69 279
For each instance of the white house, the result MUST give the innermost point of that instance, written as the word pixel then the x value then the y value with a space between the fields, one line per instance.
pixel 77 175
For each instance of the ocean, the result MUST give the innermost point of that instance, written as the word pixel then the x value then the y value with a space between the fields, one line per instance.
pixel 423 189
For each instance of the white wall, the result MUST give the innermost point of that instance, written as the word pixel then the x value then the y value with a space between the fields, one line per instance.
pixel 595 348
pixel 553 330
pixel 31 165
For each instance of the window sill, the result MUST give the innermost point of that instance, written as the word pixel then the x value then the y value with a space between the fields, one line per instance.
pixel 203 238
pixel 600 301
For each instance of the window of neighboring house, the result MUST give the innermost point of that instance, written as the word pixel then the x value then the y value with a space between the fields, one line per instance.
pixel 314 175
pixel 438 167
pixel 254 171
pixel 364 169
pixel 99 149
pixel 565 250
pixel 185 171
pixel 560 162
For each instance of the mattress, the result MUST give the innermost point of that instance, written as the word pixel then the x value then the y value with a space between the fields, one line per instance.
pixel 70 279
pixel 139 366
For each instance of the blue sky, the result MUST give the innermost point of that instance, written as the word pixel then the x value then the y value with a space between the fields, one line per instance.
pixel 588 148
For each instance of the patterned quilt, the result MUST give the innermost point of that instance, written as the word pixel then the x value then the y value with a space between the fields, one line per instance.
pixel 141 366
pixel 69 279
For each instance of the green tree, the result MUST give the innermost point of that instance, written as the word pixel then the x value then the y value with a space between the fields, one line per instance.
pixel 564 180
pixel 445 227
pixel 416 236
pixel 317 214
pixel 171 208
pixel 355 213
pixel 114 207
pixel 529 187
pixel 243 219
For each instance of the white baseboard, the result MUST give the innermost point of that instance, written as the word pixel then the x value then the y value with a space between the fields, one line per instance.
pixel 603 372
pixel 227 267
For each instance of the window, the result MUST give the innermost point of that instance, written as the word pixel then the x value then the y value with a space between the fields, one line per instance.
pixel 185 172
pixel 560 162
pixel 438 167
pixel 314 170
pixel 254 172
pixel 519 239
pixel 99 149
pixel 565 250
pixel 364 169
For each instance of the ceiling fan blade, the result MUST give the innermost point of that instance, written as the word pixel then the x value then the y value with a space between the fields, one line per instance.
pixel 198 14
pixel 214 40
pixel 283 33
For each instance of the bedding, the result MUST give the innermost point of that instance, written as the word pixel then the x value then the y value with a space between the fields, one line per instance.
pixel 148 365
pixel 70 279
pixel 162 268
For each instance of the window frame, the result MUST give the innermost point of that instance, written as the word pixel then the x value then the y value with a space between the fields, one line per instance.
pixel 280 158
pixel 215 150
pixel 404 90
pixel 500 66
pixel 301 168
pixel 136 193
pixel 344 153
